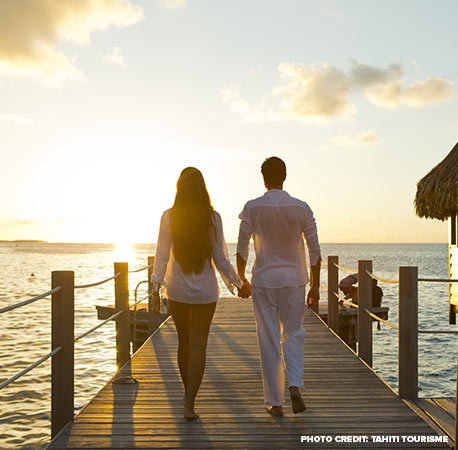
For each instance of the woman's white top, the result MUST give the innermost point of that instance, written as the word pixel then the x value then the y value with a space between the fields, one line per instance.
pixel 193 288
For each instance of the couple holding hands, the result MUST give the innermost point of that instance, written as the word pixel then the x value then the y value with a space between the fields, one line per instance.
pixel 191 244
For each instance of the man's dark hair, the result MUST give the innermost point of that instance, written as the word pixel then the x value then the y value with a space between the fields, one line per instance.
pixel 273 170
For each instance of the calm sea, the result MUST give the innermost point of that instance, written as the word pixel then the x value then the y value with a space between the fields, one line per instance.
pixel 25 270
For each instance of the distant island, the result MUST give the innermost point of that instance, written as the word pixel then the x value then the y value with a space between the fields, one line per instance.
pixel 27 241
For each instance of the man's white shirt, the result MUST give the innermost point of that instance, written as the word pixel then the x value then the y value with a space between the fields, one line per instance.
pixel 278 224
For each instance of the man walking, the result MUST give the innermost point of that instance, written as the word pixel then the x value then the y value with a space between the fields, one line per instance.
pixel 278 224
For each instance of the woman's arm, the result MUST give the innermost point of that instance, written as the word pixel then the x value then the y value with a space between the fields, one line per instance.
pixel 221 257
pixel 164 242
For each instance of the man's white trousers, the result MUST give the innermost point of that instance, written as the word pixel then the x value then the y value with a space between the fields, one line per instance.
pixel 279 316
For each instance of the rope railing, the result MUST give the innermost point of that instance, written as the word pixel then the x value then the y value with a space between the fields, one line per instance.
pixel 438 331
pixel 345 268
pixel 353 305
pixel 438 280
pixel 141 268
pixel 381 279
pixel 97 283
pixel 28 369
pixel 30 300
pixel 98 326
pixel 374 316
pixel 323 287
pixel 142 299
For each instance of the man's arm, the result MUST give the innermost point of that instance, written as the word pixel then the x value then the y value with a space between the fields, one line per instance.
pixel 245 291
pixel 311 237
pixel 243 246
pixel 314 292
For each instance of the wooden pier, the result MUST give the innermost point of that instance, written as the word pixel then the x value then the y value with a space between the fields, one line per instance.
pixel 344 397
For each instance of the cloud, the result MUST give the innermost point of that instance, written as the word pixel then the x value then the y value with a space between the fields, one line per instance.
pixel 233 97
pixel 173 4
pixel 385 87
pixel 364 75
pixel 321 93
pixel 11 118
pixel 430 90
pixel 116 56
pixel 31 31
pixel 364 138
pixel 314 93
pixel 258 113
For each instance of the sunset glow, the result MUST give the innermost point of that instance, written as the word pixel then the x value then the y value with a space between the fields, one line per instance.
pixel 104 103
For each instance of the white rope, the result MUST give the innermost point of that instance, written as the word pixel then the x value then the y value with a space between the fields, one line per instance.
pixel 98 326
pixel 144 298
pixel 30 300
pixel 353 305
pixel 345 268
pixel 438 280
pixel 97 283
pixel 381 320
pixel 142 268
pixel 381 279
pixel 438 331
pixel 20 374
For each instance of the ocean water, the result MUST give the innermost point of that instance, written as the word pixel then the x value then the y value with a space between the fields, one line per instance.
pixel 25 271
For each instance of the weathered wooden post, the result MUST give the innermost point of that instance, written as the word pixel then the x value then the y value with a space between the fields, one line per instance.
pixel 123 320
pixel 333 286
pixel 62 364
pixel 456 410
pixel 364 320
pixel 408 332
pixel 151 260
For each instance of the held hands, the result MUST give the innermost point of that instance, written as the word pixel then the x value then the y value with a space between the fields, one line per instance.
pixel 313 296
pixel 245 290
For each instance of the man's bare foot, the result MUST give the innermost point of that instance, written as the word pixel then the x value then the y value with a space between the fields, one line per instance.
pixel 276 411
pixel 296 400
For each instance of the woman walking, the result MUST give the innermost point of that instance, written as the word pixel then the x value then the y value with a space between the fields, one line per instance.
pixel 190 244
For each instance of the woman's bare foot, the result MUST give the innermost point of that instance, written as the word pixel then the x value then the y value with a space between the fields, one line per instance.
pixel 276 411
pixel 189 411
pixel 189 414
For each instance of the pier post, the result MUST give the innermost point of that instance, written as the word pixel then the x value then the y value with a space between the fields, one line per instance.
pixel 62 364
pixel 364 320
pixel 123 320
pixel 333 286
pixel 151 260
pixel 408 332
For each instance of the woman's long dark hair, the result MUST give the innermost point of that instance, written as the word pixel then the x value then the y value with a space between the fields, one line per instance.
pixel 191 221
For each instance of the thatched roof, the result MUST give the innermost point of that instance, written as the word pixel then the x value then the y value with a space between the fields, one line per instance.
pixel 437 192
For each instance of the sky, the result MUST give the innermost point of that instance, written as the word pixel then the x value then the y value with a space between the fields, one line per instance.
pixel 104 102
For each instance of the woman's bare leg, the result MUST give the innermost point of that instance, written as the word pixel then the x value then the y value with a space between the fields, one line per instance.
pixel 201 318
pixel 181 313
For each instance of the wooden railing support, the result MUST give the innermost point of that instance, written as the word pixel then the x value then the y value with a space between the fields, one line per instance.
pixel 151 260
pixel 408 332
pixel 333 286
pixel 62 335
pixel 122 321
pixel 364 320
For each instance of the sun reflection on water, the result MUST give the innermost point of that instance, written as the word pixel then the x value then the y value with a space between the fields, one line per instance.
pixel 123 252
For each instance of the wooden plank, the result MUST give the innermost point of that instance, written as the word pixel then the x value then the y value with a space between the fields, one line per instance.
pixel 343 396
pixel 448 405
pixel 438 415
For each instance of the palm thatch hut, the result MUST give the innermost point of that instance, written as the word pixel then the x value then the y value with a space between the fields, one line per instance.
pixel 437 198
